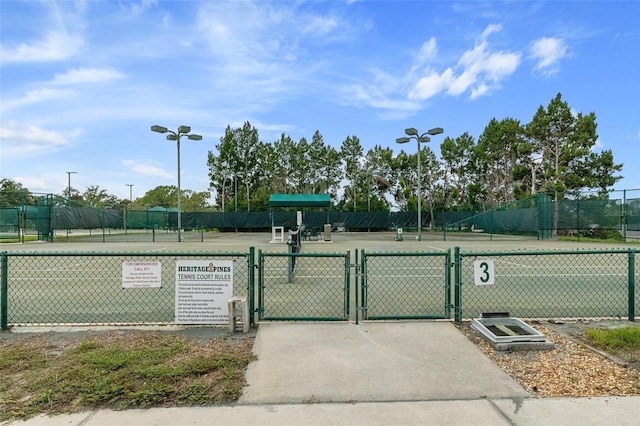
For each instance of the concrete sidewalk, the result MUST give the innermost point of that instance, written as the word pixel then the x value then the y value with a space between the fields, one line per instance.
pixel 372 361
pixel 386 373
pixel 548 412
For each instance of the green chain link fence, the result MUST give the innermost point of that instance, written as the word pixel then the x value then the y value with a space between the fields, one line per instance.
pixel 87 288
pixel 547 284
pixel 318 288
pixel 405 285
pixel 48 288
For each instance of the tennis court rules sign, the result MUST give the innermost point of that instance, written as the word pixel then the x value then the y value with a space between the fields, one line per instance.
pixel 203 288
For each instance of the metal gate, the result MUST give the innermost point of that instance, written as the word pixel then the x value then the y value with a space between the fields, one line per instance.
pixel 405 285
pixel 303 286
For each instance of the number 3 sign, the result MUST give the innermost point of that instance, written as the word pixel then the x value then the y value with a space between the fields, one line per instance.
pixel 483 272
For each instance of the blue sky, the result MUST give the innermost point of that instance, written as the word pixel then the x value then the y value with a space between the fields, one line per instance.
pixel 81 82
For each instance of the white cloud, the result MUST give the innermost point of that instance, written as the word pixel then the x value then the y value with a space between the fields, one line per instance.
pixel 432 84
pixel 378 99
pixel 460 83
pixel 380 93
pixel 87 75
pixel 35 184
pixel 145 169
pixel 427 52
pixel 548 51
pixel 479 90
pixel 135 9
pixel 19 140
pixel 478 71
pixel 321 26
pixel 499 65
pixel 55 46
pixel 34 97
pixel 491 28
pixel 265 51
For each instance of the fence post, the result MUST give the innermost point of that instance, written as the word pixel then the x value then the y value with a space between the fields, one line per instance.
pixel 625 220
pixel 251 284
pixel 290 261
pixel 347 289
pixel 447 282
pixel 363 285
pixel 457 284
pixel 356 286
pixel 260 282
pixel 4 290
pixel 632 290
pixel 578 215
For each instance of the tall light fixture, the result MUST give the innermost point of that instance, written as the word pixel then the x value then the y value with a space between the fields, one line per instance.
pixel 130 185
pixel 69 184
pixel 127 208
pixel 175 136
pixel 413 133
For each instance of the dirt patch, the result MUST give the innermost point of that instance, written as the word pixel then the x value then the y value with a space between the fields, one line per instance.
pixel 66 336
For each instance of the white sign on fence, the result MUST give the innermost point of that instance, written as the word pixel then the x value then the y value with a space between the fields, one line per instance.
pixel 203 288
pixel 483 272
pixel 141 274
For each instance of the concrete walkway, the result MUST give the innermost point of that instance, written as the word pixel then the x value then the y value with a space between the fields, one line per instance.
pixel 387 373
pixel 369 362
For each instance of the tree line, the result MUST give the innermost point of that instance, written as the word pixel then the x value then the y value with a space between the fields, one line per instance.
pixel 553 153
pixel 13 193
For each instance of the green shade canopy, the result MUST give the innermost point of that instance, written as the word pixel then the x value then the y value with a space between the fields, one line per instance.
pixel 299 200
pixel 163 209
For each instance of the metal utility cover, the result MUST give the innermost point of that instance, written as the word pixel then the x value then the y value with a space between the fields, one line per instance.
pixel 510 334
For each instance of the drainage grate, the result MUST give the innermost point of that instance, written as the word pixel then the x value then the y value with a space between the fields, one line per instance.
pixel 510 334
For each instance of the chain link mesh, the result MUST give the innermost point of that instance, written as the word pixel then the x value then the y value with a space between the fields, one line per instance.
pixel 65 288
pixel 317 290
pixel 405 285
pixel 549 285
pixel 87 288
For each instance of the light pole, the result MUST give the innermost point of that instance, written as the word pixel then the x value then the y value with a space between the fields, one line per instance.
pixel 413 133
pixel 69 184
pixel 126 209
pixel 175 136
pixel 130 185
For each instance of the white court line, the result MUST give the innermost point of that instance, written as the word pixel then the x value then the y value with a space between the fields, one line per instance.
pixel 438 249
pixel 562 275
pixel 518 265
pixel 370 276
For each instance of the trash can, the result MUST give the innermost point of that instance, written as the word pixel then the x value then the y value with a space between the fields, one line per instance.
pixel 327 232
pixel 398 234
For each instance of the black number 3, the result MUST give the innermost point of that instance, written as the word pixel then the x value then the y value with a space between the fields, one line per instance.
pixel 485 269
